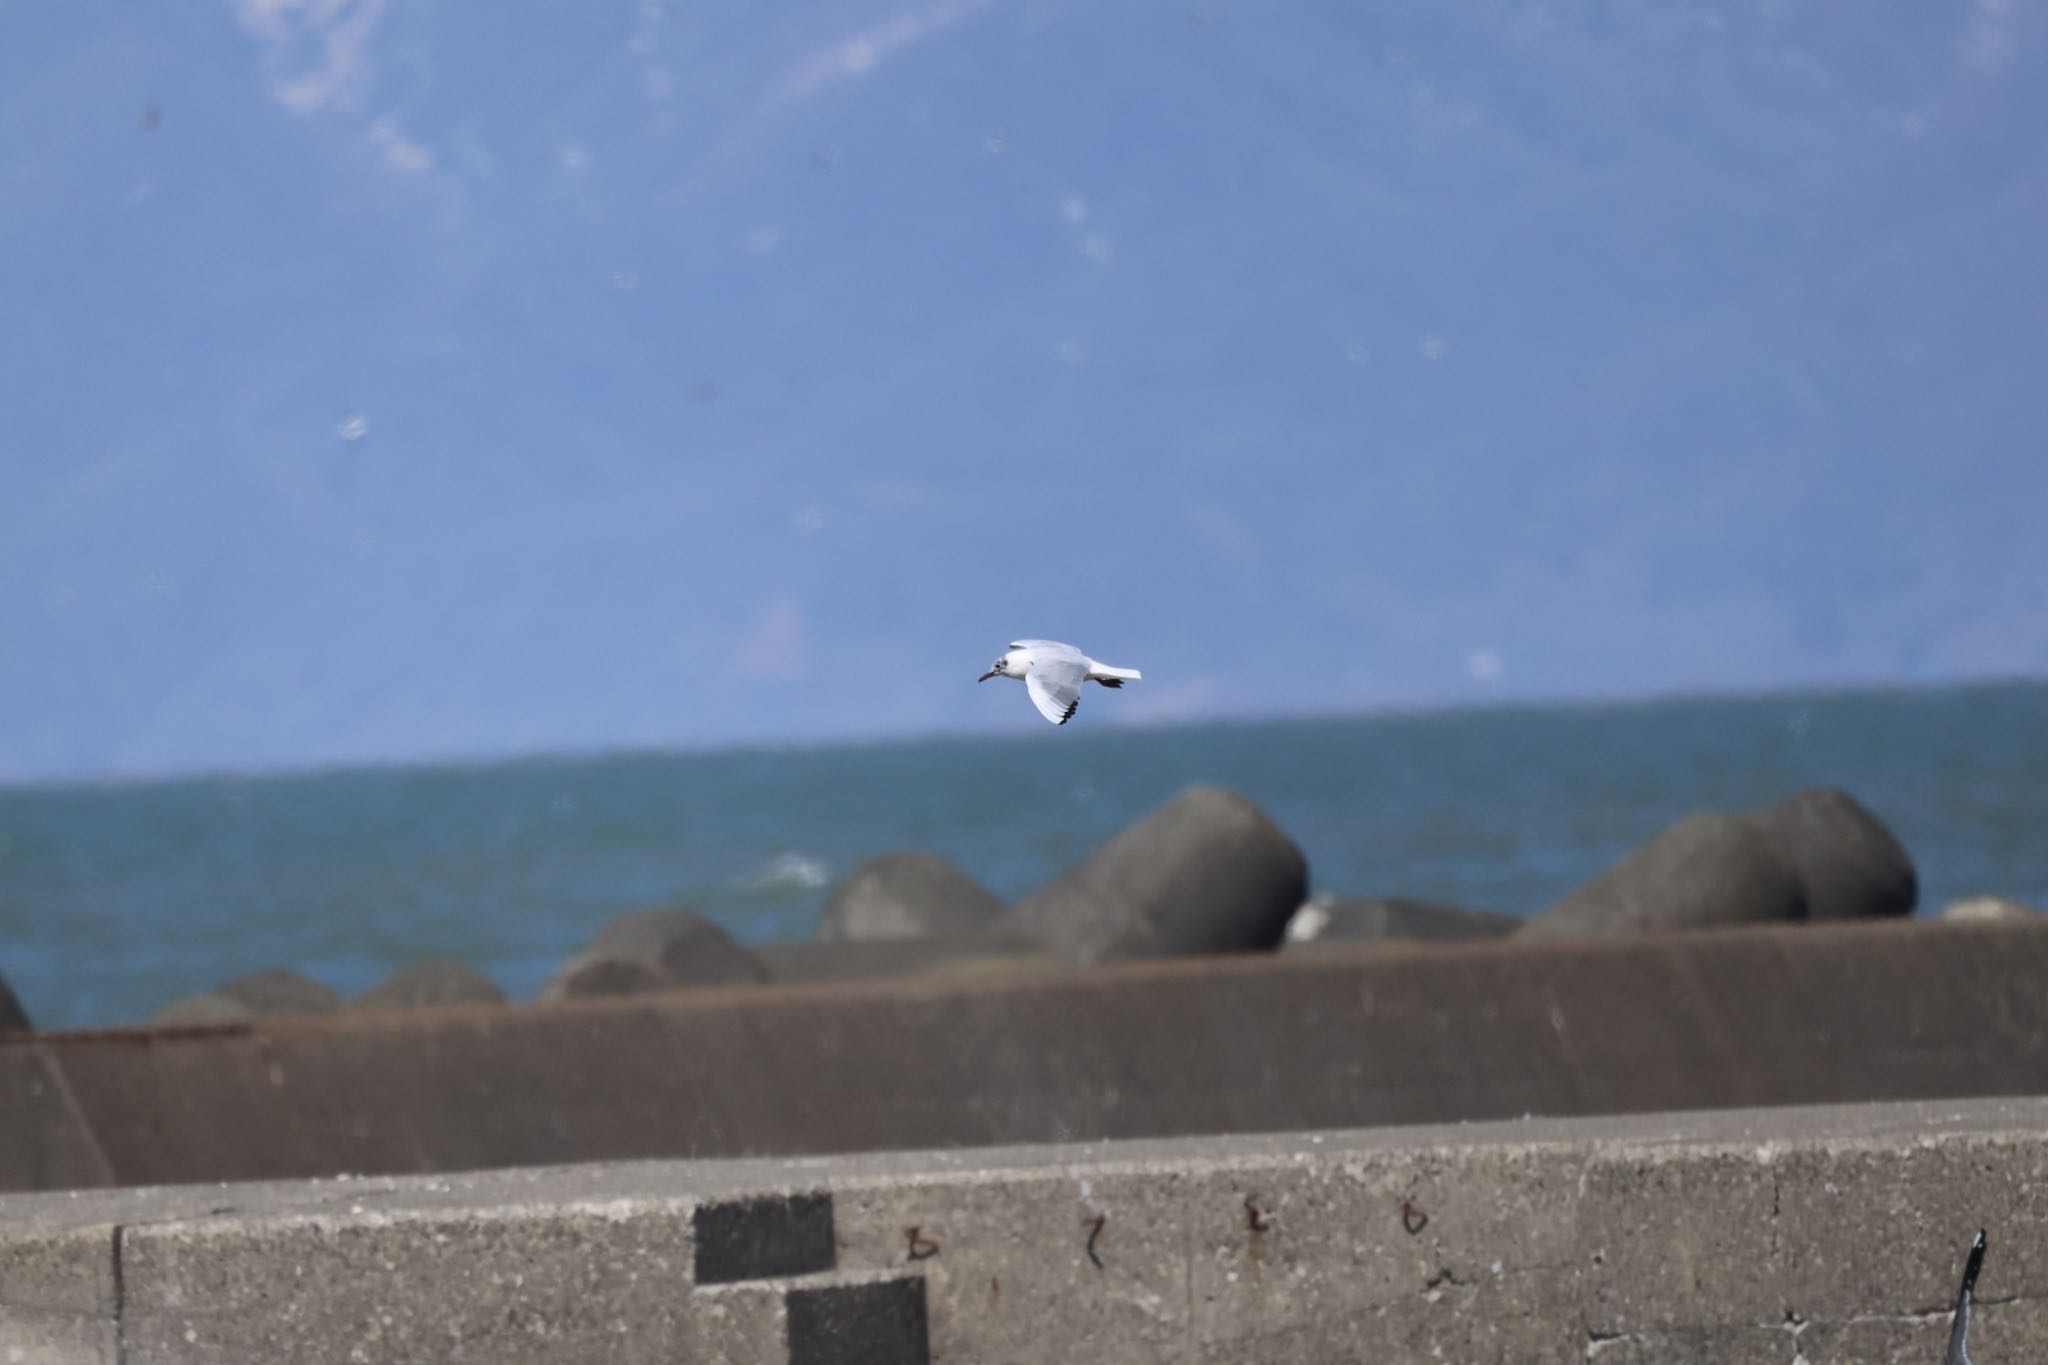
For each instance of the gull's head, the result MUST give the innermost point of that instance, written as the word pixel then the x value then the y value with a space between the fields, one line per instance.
pixel 1009 664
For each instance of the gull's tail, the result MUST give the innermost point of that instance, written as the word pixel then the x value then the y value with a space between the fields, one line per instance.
pixel 1112 677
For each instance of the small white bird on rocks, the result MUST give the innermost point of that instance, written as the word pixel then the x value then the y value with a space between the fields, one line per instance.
pixel 1053 674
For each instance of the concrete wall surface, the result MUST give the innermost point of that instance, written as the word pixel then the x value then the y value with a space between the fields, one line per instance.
pixel 1811 1235
pixel 1433 1033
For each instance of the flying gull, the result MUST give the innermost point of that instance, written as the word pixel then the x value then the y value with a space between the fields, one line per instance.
pixel 1053 674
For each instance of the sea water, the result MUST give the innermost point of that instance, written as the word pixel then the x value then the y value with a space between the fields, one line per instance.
pixel 117 897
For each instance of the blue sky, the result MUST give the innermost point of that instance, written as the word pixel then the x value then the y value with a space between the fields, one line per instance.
pixel 388 380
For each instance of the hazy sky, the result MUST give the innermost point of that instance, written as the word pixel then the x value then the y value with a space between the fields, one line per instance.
pixel 396 378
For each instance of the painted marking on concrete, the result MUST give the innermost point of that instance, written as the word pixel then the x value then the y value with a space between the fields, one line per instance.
pixel 880 1322
pixel 765 1238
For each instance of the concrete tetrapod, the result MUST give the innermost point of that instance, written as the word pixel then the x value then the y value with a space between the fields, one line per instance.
pixel 1208 872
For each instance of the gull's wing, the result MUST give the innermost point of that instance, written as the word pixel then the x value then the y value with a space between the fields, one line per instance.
pixel 1048 649
pixel 1055 687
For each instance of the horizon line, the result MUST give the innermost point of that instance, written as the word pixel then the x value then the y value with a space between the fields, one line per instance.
pixel 475 760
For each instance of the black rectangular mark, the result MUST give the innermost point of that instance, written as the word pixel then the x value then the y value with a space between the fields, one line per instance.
pixel 881 1322
pixel 764 1237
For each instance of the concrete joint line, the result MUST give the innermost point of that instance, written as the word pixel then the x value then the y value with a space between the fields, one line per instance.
pixel 120 1295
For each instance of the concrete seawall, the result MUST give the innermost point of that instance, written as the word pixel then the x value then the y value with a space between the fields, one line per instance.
pixel 1440 1033
pixel 1780 1235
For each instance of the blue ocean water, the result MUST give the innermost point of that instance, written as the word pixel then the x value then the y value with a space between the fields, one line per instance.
pixel 115 898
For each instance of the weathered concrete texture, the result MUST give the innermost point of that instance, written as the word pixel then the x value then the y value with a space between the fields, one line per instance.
pixel 1862 1227
pixel 58 1295
pixel 271 992
pixel 1350 1252
pixel 33 1339
pixel 1208 872
pixel 652 950
pixel 431 983
pixel 1409 1034
pixel 906 895
pixel 875 959
pixel 735 1324
pixel 46 1143
pixel 1708 869
pixel 2000 1334
pixel 1673 1236
pixel 989 1303
pixel 1705 1346
pixel 603 1282
pixel 13 1018
pixel 1848 863
pixel 1463 1252
pixel 1817 855
pixel 1766 1236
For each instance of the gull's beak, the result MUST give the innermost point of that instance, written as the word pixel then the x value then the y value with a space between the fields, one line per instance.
pixel 986 676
